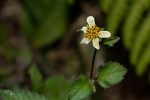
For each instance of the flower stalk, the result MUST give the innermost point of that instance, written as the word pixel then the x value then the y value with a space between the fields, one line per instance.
pixel 93 33
pixel 92 65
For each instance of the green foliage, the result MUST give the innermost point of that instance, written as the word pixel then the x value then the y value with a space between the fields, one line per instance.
pixel 144 61
pixel 80 89
pixel 131 18
pixel 135 15
pixel 108 75
pixel 43 21
pixel 56 88
pixel 141 39
pixel 111 41
pixel 36 78
pixel 106 4
pixel 111 74
pixel 116 15
pixel 20 95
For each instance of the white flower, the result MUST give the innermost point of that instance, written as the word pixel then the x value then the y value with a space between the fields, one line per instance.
pixel 93 33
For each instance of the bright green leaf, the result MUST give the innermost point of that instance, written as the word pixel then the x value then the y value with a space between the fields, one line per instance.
pixel 36 77
pixel 111 41
pixel 111 74
pixel 20 95
pixel 80 89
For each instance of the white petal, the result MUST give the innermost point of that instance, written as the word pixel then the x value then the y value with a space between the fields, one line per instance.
pixel 85 40
pixel 90 20
pixel 84 29
pixel 104 34
pixel 96 43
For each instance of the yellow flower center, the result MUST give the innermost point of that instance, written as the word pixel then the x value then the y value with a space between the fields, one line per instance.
pixel 92 32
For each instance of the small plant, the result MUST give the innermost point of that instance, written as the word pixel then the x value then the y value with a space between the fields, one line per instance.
pixel 107 75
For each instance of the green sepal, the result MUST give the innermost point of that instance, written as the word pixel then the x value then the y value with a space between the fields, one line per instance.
pixel 111 41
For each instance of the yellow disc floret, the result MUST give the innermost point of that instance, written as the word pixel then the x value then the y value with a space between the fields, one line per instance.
pixel 92 32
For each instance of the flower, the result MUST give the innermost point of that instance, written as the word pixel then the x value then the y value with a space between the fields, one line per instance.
pixel 93 33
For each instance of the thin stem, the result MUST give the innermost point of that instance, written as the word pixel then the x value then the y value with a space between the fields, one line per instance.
pixel 92 65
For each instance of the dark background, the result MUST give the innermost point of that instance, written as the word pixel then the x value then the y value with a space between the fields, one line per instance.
pixel 40 47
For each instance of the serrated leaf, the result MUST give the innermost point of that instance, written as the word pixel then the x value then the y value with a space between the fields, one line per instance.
pixel 20 95
pixel 111 41
pixel 111 74
pixel 54 90
pixel 36 77
pixel 80 89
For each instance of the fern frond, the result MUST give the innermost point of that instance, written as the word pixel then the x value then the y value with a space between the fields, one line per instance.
pixel 135 15
pixel 20 95
pixel 116 15
pixel 144 61
pixel 140 39
pixel 106 4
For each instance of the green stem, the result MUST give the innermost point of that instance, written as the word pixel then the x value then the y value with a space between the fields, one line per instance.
pixel 92 65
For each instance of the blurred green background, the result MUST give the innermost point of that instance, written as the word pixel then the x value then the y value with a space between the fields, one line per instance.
pixel 40 47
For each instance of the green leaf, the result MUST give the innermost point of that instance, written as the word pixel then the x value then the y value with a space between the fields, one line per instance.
pixel 44 21
pixel 80 89
pixel 20 95
pixel 111 41
pixel 56 88
pixel 111 74
pixel 36 77
pixel 47 32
